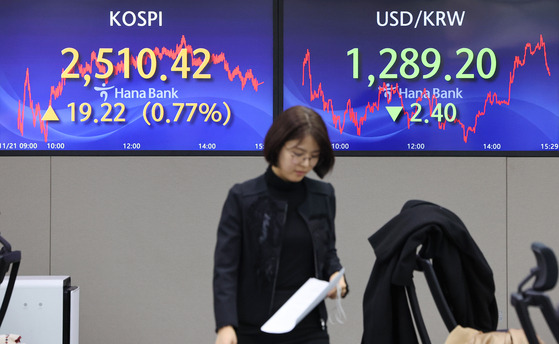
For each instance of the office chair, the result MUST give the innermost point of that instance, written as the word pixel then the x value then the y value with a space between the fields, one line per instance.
pixel 428 238
pixel 7 258
pixel 545 278
pixel 424 265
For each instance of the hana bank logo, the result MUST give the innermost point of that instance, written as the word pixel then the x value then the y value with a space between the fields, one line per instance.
pixel 104 94
pixel 387 90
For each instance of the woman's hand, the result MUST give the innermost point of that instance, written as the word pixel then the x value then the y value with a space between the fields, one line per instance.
pixel 341 284
pixel 226 335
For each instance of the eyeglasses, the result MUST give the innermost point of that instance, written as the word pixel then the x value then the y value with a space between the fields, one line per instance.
pixel 299 158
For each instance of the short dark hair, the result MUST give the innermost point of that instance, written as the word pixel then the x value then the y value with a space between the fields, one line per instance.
pixel 294 124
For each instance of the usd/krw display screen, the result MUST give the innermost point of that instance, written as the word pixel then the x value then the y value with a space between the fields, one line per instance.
pixel 427 76
pixel 127 76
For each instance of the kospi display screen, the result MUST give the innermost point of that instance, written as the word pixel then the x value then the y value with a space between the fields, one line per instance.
pixel 135 76
pixel 427 77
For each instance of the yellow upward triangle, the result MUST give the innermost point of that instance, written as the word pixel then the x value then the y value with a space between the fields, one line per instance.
pixel 50 115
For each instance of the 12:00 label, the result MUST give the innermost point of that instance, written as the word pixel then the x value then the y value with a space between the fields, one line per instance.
pixel 416 146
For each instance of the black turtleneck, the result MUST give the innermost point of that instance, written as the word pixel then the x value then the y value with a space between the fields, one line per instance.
pixel 297 258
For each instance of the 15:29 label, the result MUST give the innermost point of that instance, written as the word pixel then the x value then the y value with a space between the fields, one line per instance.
pixel 550 146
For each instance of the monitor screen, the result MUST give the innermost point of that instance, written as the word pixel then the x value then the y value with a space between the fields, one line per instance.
pixel 427 77
pixel 135 76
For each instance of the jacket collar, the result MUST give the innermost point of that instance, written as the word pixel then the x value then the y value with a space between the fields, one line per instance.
pixel 258 185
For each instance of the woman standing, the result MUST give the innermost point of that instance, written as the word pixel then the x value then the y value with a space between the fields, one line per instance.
pixel 275 232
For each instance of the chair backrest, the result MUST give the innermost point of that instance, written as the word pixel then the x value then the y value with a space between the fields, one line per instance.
pixel 430 231
pixel 545 278
pixel 424 265
pixel 8 258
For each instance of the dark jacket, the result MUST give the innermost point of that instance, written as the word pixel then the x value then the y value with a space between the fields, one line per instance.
pixel 464 274
pixel 249 243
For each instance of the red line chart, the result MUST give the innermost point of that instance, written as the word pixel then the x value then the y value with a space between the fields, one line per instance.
pixel 388 92
pixel 87 68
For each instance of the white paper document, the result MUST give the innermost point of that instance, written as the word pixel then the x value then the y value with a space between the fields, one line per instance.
pixel 300 304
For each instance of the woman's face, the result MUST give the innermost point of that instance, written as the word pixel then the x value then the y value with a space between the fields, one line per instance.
pixel 297 158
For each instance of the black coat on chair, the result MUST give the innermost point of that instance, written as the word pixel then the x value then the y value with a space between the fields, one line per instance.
pixel 463 273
